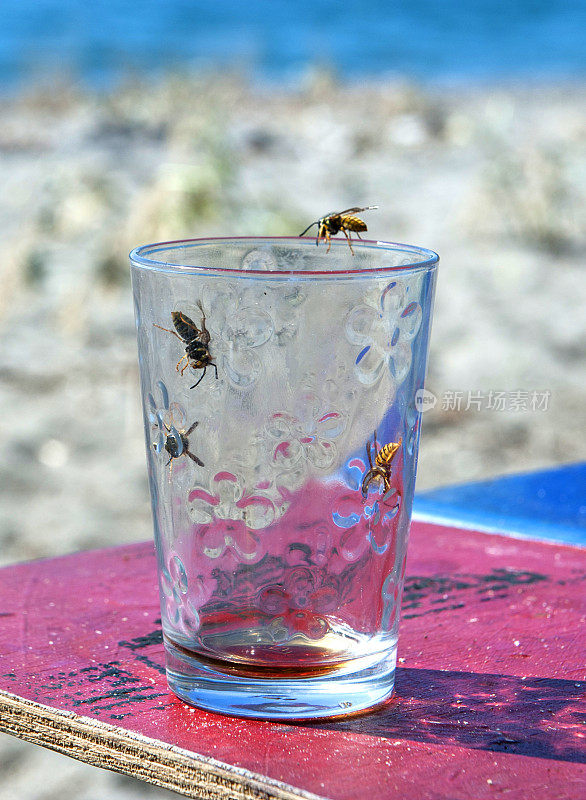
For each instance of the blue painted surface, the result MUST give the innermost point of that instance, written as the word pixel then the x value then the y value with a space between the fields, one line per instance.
pixel 549 505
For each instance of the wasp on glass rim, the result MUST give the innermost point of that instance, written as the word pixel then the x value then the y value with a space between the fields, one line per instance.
pixel 337 221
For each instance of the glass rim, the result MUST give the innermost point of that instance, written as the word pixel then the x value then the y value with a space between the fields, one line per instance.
pixel 428 258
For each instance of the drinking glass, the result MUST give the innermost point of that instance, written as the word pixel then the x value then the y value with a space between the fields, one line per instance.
pixel 279 384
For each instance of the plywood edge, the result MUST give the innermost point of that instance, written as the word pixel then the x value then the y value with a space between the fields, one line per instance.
pixel 119 750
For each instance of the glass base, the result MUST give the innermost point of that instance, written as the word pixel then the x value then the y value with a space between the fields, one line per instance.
pixel 348 688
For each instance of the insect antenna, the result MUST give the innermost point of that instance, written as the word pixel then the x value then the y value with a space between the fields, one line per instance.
pixel 200 380
pixel 308 227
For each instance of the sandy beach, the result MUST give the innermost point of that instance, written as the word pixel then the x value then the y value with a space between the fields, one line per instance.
pixel 493 178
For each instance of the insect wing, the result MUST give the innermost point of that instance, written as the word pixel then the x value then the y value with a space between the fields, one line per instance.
pixel 190 323
pixel 355 210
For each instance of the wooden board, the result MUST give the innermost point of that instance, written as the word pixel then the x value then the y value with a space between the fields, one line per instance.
pixel 487 700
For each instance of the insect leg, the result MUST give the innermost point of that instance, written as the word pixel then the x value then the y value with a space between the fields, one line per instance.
pixel 368 453
pixel 194 458
pixel 366 481
pixel 193 427
pixel 183 358
pixel 168 331
pixel 349 242
pixel 214 366
pixel 205 334
pixel 375 450
pixel 329 241
pixel 321 233
pixel 200 380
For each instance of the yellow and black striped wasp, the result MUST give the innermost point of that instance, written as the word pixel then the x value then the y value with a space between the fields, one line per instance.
pixel 381 469
pixel 338 221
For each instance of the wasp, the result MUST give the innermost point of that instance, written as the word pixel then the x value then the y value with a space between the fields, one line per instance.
pixel 381 469
pixel 338 221
pixel 177 444
pixel 197 351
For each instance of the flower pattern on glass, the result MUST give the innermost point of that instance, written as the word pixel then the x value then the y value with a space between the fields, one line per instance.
pixel 384 333
pixel 230 502
pixel 283 299
pixel 383 526
pixel 304 436
pixel 180 597
pixel 165 418
pixel 238 327
pixel 367 524
pixel 299 589
pixel 354 518
pixel 231 538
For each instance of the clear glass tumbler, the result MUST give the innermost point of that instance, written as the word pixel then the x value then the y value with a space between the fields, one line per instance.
pixel 279 383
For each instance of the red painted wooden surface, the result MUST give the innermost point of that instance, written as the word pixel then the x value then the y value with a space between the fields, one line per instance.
pixel 487 694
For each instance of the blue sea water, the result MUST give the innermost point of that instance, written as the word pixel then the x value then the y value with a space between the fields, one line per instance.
pixel 428 40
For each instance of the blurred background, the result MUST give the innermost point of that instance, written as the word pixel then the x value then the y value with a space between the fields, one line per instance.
pixel 123 124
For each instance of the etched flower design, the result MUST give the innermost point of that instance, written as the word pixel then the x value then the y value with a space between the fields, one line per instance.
pixel 296 603
pixel 229 501
pixel 370 524
pixel 391 598
pixel 281 299
pixel 182 597
pixel 165 418
pixel 295 622
pixel 284 301
pixel 305 436
pixel 383 524
pixel 237 328
pixel 232 538
pixel 384 333
pixel 354 518
pixel 301 588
